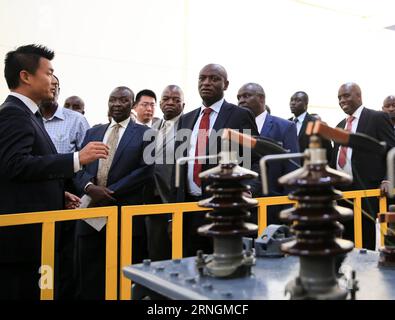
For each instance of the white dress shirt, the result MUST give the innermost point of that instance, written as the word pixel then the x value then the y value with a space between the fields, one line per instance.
pixel 34 108
pixel 193 188
pixel 148 124
pixel 121 131
pixel 260 120
pixel 300 121
pixel 348 168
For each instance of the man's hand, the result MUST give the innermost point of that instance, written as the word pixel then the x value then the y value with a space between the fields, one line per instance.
pixel 71 200
pixel 385 188
pixel 101 196
pixel 92 151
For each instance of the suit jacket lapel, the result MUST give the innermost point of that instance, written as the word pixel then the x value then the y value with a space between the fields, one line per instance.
pixel 189 122
pixel 363 121
pixel 223 116
pixel 98 136
pixel 302 135
pixel 219 124
pixel 126 138
pixel 35 121
pixel 267 126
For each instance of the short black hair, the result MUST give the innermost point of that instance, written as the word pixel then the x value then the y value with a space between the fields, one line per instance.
pixel 24 58
pixel 57 79
pixel 127 89
pixel 304 94
pixel 145 92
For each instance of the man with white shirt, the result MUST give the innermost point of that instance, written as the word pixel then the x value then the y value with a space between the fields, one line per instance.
pixel 298 105
pixel 75 103
pixel 32 173
pixel 67 130
pixel 172 104
pixel 203 125
pixel 119 180
pixel 252 96
pixel 144 107
pixel 389 107
pixel 368 169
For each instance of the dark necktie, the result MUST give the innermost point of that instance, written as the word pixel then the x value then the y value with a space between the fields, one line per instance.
pixel 201 144
pixel 39 118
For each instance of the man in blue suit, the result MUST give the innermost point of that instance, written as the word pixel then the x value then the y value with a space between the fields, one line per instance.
pixel 252 96
pixel 119 181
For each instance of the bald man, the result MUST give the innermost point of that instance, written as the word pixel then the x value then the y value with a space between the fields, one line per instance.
pixel 368 169
pixel 252 96
pixel 75 103
pixel 389 107
pixel 213 114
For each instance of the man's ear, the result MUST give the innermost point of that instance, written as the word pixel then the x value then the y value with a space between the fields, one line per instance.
pixel 226 85
pixel 24 77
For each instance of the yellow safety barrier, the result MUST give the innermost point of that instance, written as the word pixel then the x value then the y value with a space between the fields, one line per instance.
pixel 178 209
pixel 48 219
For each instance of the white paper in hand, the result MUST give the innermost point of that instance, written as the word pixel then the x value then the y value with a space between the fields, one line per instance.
pixel 96 223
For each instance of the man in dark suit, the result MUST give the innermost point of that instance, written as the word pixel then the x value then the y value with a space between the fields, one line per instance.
pixel 298 105
pixel 202 125
pixel 252 96
pixel 144 108
pixel 117 181
pixel 389 107
pixel 32 174
pixel 368 169
pixel 172 104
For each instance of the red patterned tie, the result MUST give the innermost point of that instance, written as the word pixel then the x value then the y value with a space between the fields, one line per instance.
pixel 343 149
pixel 201 144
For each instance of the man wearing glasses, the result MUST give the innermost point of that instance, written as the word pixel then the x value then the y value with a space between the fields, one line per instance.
pixel 144 107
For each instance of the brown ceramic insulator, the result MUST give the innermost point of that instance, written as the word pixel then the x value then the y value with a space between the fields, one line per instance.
pixel 229 202
pixel 315 215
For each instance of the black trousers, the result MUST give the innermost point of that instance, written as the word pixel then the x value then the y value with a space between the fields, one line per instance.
pixel 65 286
pixel 90 259
pixel 192 241
pixel 371 206
pixel 158 237
pixel 19 281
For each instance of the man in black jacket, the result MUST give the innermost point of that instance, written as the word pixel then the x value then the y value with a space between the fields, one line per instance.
pixel 203 124
pixel 32 174
pixel 368 169
pixel 298 105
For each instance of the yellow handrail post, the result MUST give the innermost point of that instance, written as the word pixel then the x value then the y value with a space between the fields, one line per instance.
pixel 126 253
pixel 262 217
pixel 47 260
pixel 111 254
pixel 177 234
pixel 358 222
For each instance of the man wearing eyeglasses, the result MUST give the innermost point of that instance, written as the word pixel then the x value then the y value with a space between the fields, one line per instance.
pixel 144 107
pixel 66 129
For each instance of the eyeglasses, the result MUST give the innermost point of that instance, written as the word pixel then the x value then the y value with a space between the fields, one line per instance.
pixel 147 104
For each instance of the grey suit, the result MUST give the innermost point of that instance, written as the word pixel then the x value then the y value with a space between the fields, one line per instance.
pixel 159 244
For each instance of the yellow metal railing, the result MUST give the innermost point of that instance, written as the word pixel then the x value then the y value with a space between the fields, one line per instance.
pixel 48 219
pixel 177 210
